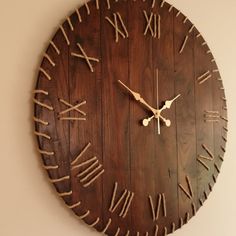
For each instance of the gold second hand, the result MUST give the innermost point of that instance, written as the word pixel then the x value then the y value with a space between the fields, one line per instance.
pixel 157 87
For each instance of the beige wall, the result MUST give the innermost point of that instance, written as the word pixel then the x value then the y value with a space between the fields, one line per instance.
pixel 28 205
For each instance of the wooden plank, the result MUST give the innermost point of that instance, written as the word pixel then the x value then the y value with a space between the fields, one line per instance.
pixel 143 158
pixel 185 114
pixel 86 86
pixel 115 114
pixel 204 104
pixel 165 144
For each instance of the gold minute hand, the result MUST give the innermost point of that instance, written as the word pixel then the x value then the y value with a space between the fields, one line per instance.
pixel 138 97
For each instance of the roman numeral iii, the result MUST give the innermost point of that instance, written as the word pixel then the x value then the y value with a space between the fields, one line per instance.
pixel 211 116
pixel 124 201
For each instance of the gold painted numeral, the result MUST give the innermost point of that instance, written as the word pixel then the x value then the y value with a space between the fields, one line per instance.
pixel 203 158
pixel 117 18
pixel 211 116
pixel 92 171
pixel 161 200
pixel 153 25
pixel 125 200
pixel 70 108
pixel 204 77
pixel 84 56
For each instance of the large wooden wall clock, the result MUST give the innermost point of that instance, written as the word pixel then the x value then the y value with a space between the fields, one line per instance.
pixel 131 117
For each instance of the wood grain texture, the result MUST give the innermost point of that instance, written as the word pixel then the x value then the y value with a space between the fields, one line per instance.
pixel 185 113
pixel 115 66
pixel 86 86
pixel 135 157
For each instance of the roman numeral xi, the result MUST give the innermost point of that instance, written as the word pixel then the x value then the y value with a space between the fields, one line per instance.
pixel 119 30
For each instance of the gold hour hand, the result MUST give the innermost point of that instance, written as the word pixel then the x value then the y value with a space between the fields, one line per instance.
pixel 168 103
pixel 138 97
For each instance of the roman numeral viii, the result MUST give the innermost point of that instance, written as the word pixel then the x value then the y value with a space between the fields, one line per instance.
pixel 91 171
pixel 124 200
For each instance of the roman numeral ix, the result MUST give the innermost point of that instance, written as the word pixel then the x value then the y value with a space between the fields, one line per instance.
pixel 118 30
pixel 71 108
pixel 91 171
pixel 124 200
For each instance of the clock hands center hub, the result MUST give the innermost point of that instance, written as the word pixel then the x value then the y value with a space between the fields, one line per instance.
pixel 156 112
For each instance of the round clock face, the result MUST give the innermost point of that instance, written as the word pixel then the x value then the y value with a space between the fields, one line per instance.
pixel 130 115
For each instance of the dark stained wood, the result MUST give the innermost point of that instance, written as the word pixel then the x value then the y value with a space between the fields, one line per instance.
pixel 165 144
pixel 115 114
pixel 142 146
pixel 203 103
pixel 220 128
pixel 185 113
pixel 134 156
pixel 85 85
